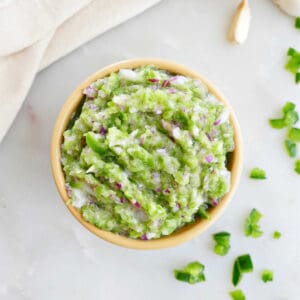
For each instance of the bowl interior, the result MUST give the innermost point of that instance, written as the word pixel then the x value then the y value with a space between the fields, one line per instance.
pixel 185 233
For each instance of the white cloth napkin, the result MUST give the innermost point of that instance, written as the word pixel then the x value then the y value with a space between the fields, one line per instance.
pixel 35 33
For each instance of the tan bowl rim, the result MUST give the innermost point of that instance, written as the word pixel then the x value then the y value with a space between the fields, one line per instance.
pixel 185 233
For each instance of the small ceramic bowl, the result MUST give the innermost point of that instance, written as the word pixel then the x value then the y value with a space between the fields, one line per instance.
pixel 183 234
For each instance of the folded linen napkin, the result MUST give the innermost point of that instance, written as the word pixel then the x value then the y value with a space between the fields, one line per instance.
pixel 35 33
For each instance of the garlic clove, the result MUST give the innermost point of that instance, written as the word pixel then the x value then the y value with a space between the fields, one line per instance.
pixel 239 28
pixel 290 7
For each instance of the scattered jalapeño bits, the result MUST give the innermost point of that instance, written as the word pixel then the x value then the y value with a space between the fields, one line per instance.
pixel 293 63
pixel 222 245
pixel 192 273
pixel 251 227
pixel 289 118
pixel 297 166
pixel 294 135
pixel 267 275
pixel 257 173
pixel 297 23
pixel 276 235
pixel 237 295
pixel 243 264
pixel 291 148
pixel 277 123
pixel 141 157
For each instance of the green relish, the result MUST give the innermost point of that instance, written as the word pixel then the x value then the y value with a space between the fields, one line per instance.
pixel 147 152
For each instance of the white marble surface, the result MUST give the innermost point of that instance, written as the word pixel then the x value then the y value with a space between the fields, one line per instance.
pixel 46 254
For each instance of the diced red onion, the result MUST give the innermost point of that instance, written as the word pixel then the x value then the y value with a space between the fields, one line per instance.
pixel 222 118
pixel 122 200
pixel 154 87
pixel 90 92
pixel 118 185
pixel 156 223
pixel 173 78
pixel 157 190
pixel 118 150
pixel 165 83
pixel 161 151
pixel 218 122
pixel 184 109
pixel 158 111
pixel 141 140
pixel 172 91
pixel 103 130
pixel 134 133
pixel 176 208
pixel 156 175
pixel 209 137
pixel 137 204
pixel 213 133
pixel 167 191
pixel 209 158
pixel 92 106
pixel 101 115
pixel 144 237
pixel 202 119
pixel 68 190
pixel 214 202
pixel 196 109
pixel 153 80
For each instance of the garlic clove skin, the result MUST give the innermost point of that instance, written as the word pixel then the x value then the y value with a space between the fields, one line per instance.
pixel 290 7
pixel 239 28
